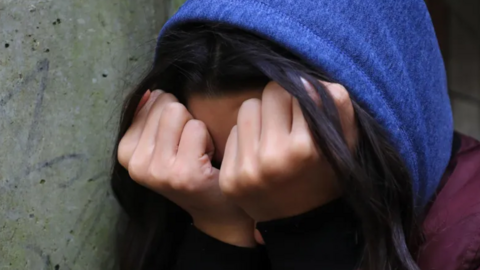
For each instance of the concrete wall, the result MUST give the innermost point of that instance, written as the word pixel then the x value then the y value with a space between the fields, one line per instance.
pixel 65 66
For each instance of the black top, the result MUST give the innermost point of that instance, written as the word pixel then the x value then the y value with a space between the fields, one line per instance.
pixel 326 238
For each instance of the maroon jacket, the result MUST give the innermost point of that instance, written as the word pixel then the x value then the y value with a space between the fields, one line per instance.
pixel 452 224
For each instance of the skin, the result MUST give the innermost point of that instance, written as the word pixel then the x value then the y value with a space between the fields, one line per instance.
pixel 271 167
pixel 220 115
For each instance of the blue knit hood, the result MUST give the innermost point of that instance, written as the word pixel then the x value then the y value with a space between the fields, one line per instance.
pixel 384 52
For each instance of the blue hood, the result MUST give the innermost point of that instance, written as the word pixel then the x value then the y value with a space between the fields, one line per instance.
pixel 384 52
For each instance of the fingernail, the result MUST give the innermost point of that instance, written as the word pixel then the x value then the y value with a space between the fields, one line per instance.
pixel 156 93
pixel 146 96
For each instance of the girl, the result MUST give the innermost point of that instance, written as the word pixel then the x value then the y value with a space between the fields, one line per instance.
pixel 320 129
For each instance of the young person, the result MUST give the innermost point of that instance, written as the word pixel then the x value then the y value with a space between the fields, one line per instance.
pixel 325 125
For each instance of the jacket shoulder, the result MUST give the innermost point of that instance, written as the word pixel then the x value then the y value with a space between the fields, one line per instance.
pixel 452 225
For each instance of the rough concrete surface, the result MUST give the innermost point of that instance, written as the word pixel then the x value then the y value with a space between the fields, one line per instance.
pixel 65 66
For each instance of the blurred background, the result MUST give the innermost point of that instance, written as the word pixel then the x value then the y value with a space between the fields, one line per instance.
pixel 65 67
pixel 457 23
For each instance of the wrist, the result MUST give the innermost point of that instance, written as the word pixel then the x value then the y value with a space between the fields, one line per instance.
pixel 236 233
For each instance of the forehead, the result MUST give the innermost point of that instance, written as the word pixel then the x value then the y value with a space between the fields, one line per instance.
pixel 208 106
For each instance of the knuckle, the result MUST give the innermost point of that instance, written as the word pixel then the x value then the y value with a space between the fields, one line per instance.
pixel 174 109
pixel 272 86
pixel 227 180
pixel 250 174
pixel 157 175
pixel 229 187
pixel 251 102
pixel 195 125
pixel 268 161
pixel 248 109
pixel 177 175
pixel 126 147
pixel 249 171
pixel 169 97
pixel 312 92
pixel 275 91
pixel 123 153
pixel 272 160
pixel 166 98
pixel 303 149
pixel 236 183
pixel 136 171
pixel 181 179
pixel 183 186
pixel 340 95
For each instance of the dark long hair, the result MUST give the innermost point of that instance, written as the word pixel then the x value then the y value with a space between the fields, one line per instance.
pixel 214 59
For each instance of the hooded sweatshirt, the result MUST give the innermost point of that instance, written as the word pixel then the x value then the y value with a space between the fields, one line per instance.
pixel 384 52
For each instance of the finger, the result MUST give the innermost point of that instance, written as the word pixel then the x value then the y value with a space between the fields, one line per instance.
pixel 311 91
pixel 171 125
pixel 146 144
pixel 302 139
pixel 143 110
pixel 141 117
pixel 299 124
pixel 132 136
pixel 249 125
pixel 341 99
pixel 142 102
pixel 343 103
pixel 229 161
pixel 345 109
pixel 195 143
pixel 276 112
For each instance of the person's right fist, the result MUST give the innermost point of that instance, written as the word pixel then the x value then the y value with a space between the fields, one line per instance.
pixel 169 152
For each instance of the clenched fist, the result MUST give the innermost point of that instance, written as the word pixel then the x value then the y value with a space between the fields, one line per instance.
pixel 169 152
pixel 272 167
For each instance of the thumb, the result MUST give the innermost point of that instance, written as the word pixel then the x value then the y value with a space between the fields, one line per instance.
pixel 258 237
